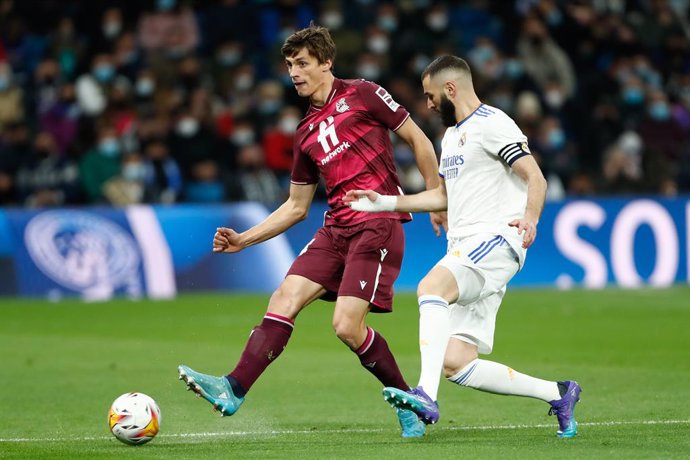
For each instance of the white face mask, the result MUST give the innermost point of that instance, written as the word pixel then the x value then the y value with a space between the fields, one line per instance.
pixel 379 44
pixel 332 20
pixel 244 82
pixel 134 171
pixel 242 137
pixel 111 29
pixel 369 71
pixel 437 22
pixel 554 99
pixel 145 87
pixel 187 127
pixel 288 125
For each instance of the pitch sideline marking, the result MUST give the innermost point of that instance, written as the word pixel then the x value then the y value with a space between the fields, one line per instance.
pixel 354 430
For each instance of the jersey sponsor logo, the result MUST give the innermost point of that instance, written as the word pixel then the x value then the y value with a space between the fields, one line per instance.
pixel 328 139
pixel 387 99
pixel 363 284
pixel 341 106
pixel 451 166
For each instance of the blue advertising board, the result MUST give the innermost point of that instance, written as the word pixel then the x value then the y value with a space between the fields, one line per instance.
pixel 158 251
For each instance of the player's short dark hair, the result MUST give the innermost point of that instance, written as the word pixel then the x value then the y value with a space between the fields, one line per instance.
pixel 447 61
pixel 316 39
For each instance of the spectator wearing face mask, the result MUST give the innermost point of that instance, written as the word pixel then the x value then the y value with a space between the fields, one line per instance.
pixel 192 143
pixel 277 144
pixel 557 152
pixel 663 138
pixel 253 181
pixel 127 187
pixel 93 87
pixel 162 178
pixel 110 29
pixel 101 163
pixel 170 28
pixel 543 60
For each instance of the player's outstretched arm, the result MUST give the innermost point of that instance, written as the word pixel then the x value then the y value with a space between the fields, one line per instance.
pixel 371 201
pixel 427 163
pixel 528 169
pixel 295 209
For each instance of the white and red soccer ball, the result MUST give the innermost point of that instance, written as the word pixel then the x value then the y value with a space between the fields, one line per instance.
pixel 134 418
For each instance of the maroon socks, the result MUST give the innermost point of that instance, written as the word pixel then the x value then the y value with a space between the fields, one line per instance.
pixel 377 358
pixel 266 342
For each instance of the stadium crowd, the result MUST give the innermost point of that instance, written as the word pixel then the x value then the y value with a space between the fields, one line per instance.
pixel 162 101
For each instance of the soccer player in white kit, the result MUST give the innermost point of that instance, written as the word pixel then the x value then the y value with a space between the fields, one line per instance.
pixel 494 192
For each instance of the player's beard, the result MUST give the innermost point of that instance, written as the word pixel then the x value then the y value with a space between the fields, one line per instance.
pixel 447 111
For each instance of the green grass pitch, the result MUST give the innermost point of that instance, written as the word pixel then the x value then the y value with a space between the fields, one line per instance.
pixel 62 364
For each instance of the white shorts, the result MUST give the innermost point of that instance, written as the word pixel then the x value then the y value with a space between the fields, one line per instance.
pixel 482 266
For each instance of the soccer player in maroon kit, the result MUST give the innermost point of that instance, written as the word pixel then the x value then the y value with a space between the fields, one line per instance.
pixel 355 257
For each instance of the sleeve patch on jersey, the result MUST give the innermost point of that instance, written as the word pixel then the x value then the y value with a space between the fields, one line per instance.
pixel 512 152
pixel 387 99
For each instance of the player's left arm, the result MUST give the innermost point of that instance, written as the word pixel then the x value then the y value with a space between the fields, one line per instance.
pixel 426 162
pixel 526 167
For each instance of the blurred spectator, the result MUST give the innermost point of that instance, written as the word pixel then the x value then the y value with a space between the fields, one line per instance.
pixel 14 149
pixel 170 27
pixel 664 141
pixel 45 178
pixel 11 106
pixel 127 187
pixel 252 181
pixel 100 163
pixel 557 152
pixel 62 117
pixel 543 60
pixel 194 148
pixel 93 87
pixel 68 47
pixel 162 179
pixel 278 142
pixel 622 168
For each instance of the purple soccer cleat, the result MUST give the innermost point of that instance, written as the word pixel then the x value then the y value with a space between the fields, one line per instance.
pixel 564 409
pixel 415 400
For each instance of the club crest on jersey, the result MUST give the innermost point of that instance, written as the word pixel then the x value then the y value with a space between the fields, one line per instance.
pixel 462 140
pixel 341 106
pixel 311 126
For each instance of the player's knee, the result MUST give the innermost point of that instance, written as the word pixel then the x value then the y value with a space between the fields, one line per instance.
pixel 452 365
pixel 346 331
pixel 285 302
pixel 426 287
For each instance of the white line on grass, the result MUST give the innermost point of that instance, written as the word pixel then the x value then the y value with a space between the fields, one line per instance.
pixel 352 430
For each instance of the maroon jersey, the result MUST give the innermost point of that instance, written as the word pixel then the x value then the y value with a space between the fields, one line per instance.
pixel 346 141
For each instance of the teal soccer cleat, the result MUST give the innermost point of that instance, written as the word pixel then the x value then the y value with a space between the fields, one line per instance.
pixel 215 390
pixel 411 426
pixel 415 400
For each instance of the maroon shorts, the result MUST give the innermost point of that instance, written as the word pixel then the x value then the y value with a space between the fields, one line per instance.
pixel 360 261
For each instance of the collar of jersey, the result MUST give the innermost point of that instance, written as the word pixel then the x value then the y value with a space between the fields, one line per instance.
pixel 468 116
pixel 336 86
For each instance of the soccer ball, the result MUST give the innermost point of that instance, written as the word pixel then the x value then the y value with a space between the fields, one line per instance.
pixel 134 418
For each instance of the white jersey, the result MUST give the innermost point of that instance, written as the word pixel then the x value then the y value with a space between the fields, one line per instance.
pixel 484 193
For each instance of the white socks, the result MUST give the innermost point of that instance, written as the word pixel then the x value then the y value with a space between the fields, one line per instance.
pixel 433 340
pixel 498 378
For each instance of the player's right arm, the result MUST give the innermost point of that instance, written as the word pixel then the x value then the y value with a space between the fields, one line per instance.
pixel 294 210
pixel 370 201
